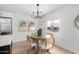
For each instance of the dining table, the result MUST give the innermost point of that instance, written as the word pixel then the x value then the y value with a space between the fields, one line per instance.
pixel 37 40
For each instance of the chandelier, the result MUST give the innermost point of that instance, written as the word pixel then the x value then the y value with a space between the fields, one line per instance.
pixel 37 13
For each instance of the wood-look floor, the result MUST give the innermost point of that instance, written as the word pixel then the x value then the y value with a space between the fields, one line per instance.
pixel 22 47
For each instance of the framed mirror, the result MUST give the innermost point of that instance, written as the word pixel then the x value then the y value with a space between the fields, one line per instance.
pixel 76 22
pixel 23 26
pixel 32 26
pixel 5 25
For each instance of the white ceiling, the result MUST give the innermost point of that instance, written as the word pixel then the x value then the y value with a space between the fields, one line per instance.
pixel 27 8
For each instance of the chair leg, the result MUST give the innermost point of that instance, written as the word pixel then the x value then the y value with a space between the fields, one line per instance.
pixel 48 51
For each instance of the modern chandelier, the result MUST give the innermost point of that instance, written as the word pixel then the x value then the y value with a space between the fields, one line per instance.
pixel 37 13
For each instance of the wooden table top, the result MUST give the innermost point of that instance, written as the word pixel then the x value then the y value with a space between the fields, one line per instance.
pixel 38 37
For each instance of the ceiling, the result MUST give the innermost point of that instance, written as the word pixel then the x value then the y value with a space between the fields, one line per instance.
pixel 28 8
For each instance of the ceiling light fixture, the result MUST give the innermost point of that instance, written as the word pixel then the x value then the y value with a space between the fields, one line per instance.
pixel 37 13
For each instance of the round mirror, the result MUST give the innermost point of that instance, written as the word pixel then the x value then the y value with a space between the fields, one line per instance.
pixel 76 22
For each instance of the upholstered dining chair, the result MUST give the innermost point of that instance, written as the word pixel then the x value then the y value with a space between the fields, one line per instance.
pixel 31 44
pixel 49 42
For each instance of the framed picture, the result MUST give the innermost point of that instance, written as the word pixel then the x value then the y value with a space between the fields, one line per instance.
pixel 53 25
pixel 31 26
pixel 5 25
pixel 23 26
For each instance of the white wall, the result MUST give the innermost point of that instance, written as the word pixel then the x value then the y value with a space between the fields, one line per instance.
pixel 17 35
pixel 68 35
